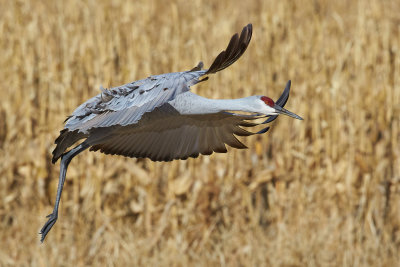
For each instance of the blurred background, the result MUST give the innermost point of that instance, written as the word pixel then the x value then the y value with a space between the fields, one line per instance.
pixel 320 192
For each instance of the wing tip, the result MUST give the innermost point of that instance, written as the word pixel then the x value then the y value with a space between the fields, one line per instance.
pixel 235 49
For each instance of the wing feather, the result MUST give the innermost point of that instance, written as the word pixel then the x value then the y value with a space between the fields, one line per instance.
pixel 172 136
pixel 218 145
pixel 205 148
pixel 236 47
pixel 231 140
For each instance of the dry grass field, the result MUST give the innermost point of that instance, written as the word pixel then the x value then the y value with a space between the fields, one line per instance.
pixel 320 192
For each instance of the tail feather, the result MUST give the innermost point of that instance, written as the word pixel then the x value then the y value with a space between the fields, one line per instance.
pixel 233 52
pixel 64 141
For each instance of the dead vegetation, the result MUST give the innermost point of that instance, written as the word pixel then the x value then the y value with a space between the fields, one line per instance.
pixel 320 192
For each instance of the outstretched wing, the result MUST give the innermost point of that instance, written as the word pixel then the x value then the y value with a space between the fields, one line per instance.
pixel 165 135
pixel 125 105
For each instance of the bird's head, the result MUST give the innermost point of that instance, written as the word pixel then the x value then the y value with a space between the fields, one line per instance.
pixel 272 108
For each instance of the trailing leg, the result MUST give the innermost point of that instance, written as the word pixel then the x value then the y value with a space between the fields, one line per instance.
pixel 65 160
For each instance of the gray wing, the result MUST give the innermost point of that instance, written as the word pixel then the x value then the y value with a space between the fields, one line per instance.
pixel 165 135
pixel 125 105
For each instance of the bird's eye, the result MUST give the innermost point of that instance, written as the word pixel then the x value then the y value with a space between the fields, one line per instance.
pixel 268 101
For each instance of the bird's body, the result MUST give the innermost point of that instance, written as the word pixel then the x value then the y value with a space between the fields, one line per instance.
pixel 159 118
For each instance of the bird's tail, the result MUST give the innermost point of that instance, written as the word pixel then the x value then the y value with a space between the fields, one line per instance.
pixel 233 52
pixel 65 140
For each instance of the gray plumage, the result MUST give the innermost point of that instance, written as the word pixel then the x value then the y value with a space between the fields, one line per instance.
pixel 159 118
pixel 125 106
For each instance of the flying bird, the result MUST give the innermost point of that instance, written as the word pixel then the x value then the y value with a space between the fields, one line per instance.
pixel 161 119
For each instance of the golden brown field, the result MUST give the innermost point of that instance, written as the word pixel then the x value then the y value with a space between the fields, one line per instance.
pixel 320 192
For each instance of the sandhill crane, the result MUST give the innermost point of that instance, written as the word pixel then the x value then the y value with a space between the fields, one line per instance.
pixel 159 118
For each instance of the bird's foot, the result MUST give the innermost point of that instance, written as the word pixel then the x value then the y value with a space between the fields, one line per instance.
pixel 47 226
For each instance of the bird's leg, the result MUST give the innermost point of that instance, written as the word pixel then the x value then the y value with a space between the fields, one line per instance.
pixel 65 160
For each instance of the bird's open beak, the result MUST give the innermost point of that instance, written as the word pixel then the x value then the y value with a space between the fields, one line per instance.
pixel 281 110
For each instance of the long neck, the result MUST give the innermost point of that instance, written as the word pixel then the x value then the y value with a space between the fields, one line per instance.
pixel 217 105
pixel 190 103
